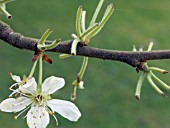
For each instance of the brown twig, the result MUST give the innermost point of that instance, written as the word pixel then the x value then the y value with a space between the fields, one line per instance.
pixel 132 58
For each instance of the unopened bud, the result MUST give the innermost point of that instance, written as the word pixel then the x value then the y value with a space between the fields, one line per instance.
pixel 80 85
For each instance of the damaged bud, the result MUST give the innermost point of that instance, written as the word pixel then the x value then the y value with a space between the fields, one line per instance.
pixel 35 57
pixel 47 59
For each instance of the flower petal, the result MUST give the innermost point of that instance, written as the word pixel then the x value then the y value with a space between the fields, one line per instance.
pixel 37 117
pixel 29 87
pixel 15 78
pixel 52 84
pixel 14 105
pixel 65 108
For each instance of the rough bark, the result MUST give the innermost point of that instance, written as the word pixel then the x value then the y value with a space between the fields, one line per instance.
pixel 132 58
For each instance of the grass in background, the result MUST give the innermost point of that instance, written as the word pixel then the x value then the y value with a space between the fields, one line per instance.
pixel 108 99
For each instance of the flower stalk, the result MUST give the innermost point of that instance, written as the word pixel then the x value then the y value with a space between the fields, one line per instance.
pixel 33 69
pixel 83 68
pixel 42 47
pixel 78 82
pixel 40 74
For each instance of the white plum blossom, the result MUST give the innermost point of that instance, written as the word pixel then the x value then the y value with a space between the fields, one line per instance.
pixel 26 81
pixel 40 103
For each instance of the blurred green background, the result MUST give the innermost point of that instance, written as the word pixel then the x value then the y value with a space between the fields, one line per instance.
pixel 108 98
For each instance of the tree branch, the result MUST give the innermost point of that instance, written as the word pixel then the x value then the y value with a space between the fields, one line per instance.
pixel 132 58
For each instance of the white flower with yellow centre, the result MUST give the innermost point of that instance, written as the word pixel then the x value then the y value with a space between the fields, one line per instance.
pixel 40 103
